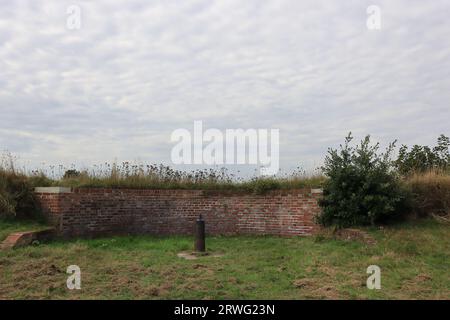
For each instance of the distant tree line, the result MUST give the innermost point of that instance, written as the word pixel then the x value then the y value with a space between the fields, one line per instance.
pixel 424 158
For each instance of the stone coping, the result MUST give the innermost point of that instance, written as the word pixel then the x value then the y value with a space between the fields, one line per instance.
pixel 52 190
pixel 206 191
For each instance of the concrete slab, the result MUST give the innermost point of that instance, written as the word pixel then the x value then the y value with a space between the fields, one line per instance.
pixel 52 190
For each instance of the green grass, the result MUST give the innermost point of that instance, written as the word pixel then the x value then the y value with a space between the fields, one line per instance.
pixel 414 261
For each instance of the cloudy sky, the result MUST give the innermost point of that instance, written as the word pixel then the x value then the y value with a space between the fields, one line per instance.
pixel 136 70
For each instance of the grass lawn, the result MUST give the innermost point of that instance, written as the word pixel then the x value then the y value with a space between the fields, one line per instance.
pixel 414 261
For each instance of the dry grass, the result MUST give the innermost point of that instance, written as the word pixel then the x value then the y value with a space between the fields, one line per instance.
pixel 204 180
pixel 431 193
pixel 16 192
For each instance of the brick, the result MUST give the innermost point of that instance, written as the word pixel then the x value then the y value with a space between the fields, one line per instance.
pixel 93 212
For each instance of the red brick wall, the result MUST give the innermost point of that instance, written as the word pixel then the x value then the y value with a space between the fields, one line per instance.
pixel 93 212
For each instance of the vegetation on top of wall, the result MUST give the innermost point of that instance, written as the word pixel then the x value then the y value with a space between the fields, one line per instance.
pixel 163 177
pixel 139 176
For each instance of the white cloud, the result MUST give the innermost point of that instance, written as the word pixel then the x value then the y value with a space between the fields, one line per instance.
pixel 137 70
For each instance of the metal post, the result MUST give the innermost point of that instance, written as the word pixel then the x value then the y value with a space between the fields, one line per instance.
pixel 200 235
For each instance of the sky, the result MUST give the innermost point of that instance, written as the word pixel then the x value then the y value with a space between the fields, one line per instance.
pixel 135 71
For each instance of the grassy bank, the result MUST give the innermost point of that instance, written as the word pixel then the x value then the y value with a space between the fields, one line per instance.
pixel 414 259
pixel 430 192
pixel 8 226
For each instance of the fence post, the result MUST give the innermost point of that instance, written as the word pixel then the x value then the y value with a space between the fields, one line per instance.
pixel 200 235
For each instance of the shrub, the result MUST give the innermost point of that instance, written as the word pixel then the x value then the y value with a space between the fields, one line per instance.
pixel 71 173
pixel 362 187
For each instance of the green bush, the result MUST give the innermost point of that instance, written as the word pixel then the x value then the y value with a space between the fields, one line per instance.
pixel 362 188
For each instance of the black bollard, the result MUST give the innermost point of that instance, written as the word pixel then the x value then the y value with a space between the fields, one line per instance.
pixel 200 235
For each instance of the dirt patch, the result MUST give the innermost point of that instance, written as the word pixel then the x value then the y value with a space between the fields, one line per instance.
pixel 328 270
pixel 354 235
pixel 423 277
pixel 303 283
pixel 327 292
pixel 187 256
pixel 196 255
pixel 52 270
pixel 5 262
pixel 316 290
pixel 347 235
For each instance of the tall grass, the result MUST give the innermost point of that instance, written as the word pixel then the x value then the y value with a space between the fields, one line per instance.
pixel 431 193
pixel 16 191
pixel 138 176
pixel 141 176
